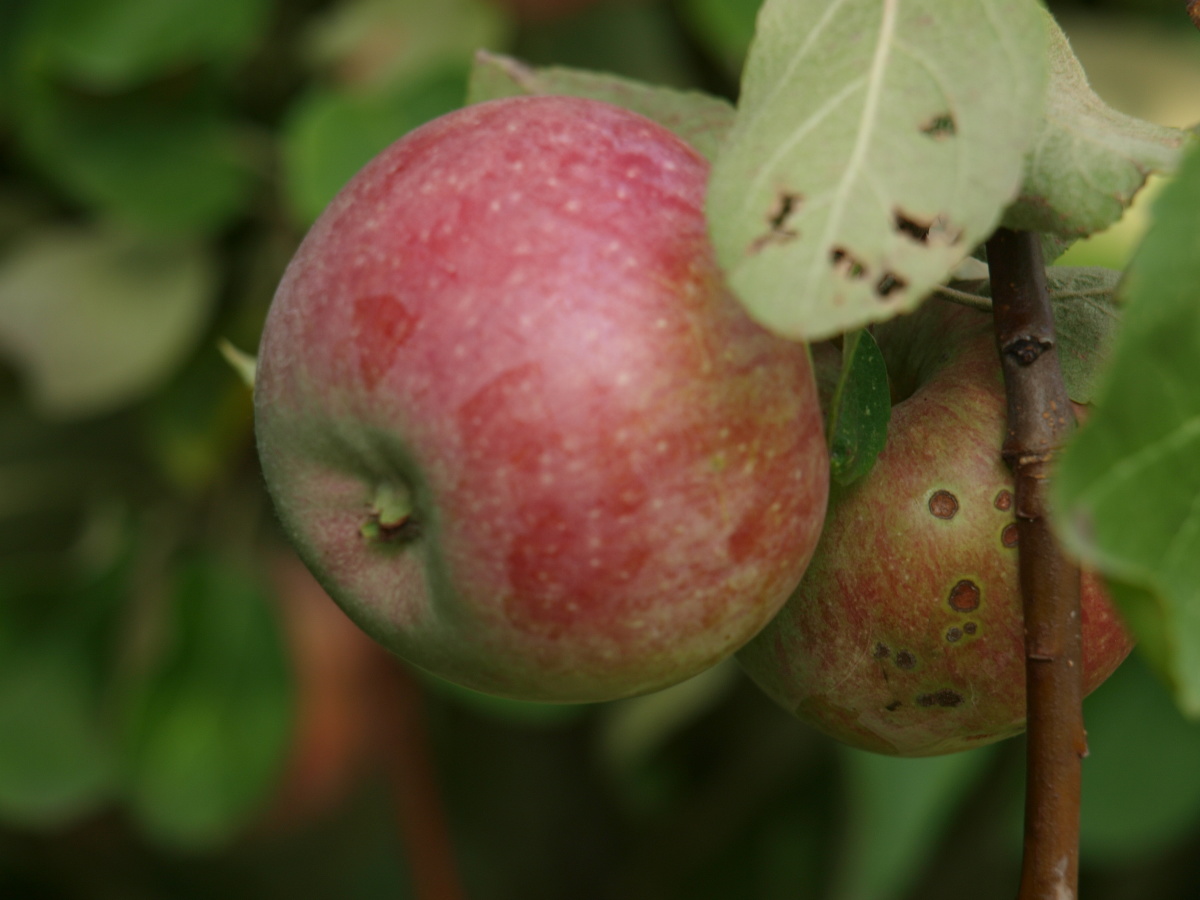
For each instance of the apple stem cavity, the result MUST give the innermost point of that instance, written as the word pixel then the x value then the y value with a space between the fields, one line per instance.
pixel 391 519
pixel 1040 420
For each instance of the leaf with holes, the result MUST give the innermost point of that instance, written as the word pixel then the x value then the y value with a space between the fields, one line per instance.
pixel 873 148
pixel 1089 159
pixel 1127 493
pixel 699 119
pixel 860 409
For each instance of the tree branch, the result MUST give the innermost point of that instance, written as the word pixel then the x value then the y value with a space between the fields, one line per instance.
pixel 1040 419
pixel 413 774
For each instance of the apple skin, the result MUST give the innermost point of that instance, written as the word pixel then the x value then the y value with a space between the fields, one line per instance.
pixel 512 321
pixel 906 634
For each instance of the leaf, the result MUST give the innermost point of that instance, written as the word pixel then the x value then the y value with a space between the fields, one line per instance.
pixel 860 410
pixel 57 759
pixel 97 319
pixel 207 727
pixel 1141 784
pixel 633 40
pixel 163 159
pixel 112 44
pixel 873 148
pixel 632 730
pixel 1086 318
pixel 1127 491
pixel 1089 160
pixel 514 712
pixel 373 45
pixel 724 27
pixel 899 809
pixel 330 135
pixel 701 120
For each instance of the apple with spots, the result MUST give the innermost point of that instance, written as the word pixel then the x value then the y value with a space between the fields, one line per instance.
pixel 906 634
pixel 514 421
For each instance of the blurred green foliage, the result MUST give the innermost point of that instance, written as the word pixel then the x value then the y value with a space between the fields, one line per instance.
pixel 181 715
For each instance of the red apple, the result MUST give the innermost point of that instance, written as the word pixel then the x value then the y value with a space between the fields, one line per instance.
pixel 906 634
pixel 514 421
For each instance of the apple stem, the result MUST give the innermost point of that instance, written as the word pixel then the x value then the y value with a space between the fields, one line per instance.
pixel 1040 420
pixel 391 517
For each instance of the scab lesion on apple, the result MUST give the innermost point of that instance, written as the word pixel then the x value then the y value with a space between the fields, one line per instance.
pixel 906 634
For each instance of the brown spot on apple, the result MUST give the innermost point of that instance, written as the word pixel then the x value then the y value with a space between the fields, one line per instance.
pixel 954 634
pixel 945 698
pixel 893 706
pixel 1010 535
pixel 964 596
pixel 970 628
pixel 1004 501
pixel 881 651
pixel 943 504
pixel 905 660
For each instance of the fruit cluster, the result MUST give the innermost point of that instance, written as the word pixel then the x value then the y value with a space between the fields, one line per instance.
pixel 514 420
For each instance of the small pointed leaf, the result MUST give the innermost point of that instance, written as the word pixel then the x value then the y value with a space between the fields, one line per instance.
pixel 860 410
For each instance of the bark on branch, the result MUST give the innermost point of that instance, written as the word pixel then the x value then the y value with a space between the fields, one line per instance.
pixel 1040 419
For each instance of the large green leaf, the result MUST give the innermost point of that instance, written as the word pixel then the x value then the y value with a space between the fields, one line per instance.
pixel 207 725
pixel 899 809
pixel 1127 493
pixel 1089 159
pixel 115 43
pixel 701 120
pixel 330 135
pixel 96 319
pixel 1141 784
pixel 163 158
pixel 724 27
pixel 874 147
pixel 57 759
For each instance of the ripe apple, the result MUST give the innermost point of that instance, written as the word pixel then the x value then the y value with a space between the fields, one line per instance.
pixel 906 634
pixel 513 419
